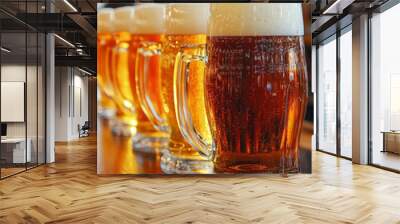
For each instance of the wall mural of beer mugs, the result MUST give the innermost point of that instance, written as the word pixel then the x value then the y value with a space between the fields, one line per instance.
pixel 202 88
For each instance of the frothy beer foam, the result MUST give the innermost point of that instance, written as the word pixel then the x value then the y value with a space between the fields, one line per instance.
pixel 104 20
pixel 149 19
pixel 187 18
pixel 256 19
pixel 124 16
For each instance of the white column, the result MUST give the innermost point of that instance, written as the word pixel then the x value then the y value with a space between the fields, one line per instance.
pixel 314 91
pixel 50 99
pixel 63 102
pixel 360 90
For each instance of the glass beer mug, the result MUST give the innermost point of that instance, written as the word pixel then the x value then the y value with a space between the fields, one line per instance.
pixel 255 87
pixel 149 28
pixel 105 43
pixel 186 25
pixel 126 115
pixel 134 25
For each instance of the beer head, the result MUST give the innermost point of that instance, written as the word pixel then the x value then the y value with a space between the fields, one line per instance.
pixel 105 18
pixel 149 19
pixel 124 16
pixel 256 19
pixel 187 18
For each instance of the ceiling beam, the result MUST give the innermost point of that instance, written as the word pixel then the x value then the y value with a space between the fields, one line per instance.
pixel 77 61
pixel 337 7
pixel 84 24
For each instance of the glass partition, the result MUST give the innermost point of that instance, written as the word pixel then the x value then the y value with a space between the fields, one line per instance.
pixel 15 150
pixel 22 88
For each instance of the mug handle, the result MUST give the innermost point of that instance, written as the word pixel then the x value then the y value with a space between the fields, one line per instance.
pixel 184 118
pixel 145 52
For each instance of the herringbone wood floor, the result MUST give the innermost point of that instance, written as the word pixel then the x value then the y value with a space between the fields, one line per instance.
pixel 69 191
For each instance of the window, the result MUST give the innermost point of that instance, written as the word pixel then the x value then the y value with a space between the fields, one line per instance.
pixel 346 93
pixel 385 89
pixel 327 96
pixel 334 109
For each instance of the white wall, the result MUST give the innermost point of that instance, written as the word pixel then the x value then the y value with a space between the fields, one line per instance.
pixel 71 94
pixel 62 81
pixel 80 111
pixel 12 73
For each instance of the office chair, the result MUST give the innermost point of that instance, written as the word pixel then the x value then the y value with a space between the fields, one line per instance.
pixel 84 130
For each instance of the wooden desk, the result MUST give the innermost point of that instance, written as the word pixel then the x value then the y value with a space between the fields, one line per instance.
pixel 13 150
pixel 391 141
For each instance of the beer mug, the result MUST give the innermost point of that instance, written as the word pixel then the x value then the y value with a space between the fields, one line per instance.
pixel 105 42
pixel 141 23
pixel 120 72
pixel 149 28
pixel 150 22
pixel 255 87
pixel 186 25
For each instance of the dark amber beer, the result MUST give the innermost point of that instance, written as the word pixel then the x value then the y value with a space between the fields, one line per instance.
pixel 255 87
pixel 255 90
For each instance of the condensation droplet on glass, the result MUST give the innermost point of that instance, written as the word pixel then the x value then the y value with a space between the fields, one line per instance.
pixel 269 87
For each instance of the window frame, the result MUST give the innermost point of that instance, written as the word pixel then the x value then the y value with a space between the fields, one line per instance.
pixel 381 9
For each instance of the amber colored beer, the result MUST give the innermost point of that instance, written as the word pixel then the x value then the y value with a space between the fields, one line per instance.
pixel 135 25
pixel 256 91
pixel 124 81
pixel 172 46
pixel 104 43
pixel 120 60
pixel 186 26
pixel 148 32
pixel 121 81
pixel 154 78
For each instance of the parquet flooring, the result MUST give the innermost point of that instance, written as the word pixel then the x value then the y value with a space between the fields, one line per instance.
pixel 11 170
pixel 69 191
